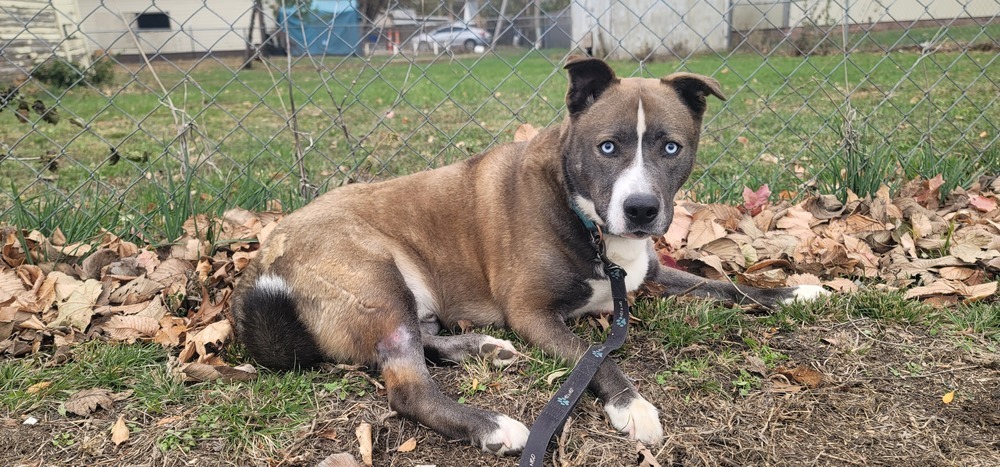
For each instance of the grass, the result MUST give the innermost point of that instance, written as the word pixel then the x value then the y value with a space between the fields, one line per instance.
pixel 680 324
pixel 237 147
pixel 247 416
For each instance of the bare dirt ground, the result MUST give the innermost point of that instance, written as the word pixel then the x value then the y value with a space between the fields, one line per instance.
pixel 879 402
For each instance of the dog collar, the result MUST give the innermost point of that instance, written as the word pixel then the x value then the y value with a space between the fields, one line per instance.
pixel 597 241
pixel 587 222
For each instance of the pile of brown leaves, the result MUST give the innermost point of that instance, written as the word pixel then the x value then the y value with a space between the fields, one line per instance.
pixel 54 294
pixel 58 294
pixel 941 254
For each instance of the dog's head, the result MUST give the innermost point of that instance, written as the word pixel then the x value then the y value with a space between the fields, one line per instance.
pixel 629 144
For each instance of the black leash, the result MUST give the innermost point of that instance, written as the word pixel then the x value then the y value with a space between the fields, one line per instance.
pixel 558 408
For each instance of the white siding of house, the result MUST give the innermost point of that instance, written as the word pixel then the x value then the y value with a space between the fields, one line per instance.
pixel 196 26
pixel 623 29
pixel 747 14
pixel 32 31
pixel 865 12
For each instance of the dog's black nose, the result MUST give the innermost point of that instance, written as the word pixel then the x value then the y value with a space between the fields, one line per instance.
pixel 641 209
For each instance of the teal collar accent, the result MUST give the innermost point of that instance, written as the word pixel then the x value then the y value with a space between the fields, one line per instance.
pixel 587 222
pixel 596 239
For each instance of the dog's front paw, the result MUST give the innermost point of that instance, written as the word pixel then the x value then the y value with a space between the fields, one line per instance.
pixel 805 293
pixel 501 352
pixel 508 438
pixel 638 418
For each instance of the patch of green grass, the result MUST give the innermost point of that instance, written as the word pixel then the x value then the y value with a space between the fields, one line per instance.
pixel 745 383
pixel 237 147
pixel 680 323
pixel 347 386
pixel 888 306
pixel 539 367
pixel 50 210
pixel 795 314
pixel 258 415
pixel 770 356
pixel 117 367
pixel 956 172
pixel 16 376
pixel 978 317
pixel 692 375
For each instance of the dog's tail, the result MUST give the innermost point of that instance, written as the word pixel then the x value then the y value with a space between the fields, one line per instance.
pixel 267 322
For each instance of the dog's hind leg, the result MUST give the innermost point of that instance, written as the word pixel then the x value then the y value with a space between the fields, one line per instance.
pixel 414 395
pixel 455 349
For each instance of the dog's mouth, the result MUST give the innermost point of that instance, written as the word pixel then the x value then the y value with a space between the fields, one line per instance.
pixel 636 235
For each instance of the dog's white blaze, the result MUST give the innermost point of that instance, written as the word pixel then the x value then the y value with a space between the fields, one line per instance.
pixel 633 256
pixel 588 209
pixel 631 181
pixel 427 306
pixel 640 127
pixel 273 285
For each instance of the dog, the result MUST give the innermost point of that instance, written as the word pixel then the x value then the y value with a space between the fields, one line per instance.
pixel 370 273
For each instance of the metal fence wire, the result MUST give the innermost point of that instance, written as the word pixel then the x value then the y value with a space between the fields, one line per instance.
pixel 131 113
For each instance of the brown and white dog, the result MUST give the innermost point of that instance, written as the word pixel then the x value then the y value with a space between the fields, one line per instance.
pixel 368 274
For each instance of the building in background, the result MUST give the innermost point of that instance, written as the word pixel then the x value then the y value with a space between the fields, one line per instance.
pixel 32 31
pixel 176 28
pixel 641 29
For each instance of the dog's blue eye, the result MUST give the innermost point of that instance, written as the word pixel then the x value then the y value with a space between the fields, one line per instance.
pixel 672 148
pixel 608 147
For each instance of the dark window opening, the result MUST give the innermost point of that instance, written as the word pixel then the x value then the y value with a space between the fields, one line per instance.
pixel 152 21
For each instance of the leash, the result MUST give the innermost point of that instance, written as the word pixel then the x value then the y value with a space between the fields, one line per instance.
pixel 558 408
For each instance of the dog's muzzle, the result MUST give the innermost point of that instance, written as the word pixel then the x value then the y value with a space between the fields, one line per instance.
pixel 641 211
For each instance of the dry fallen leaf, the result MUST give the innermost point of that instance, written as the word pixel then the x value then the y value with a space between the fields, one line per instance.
pixel 119 432
pixel 703 230
pixel 78 308
pixel 782 387
pixel 408 445
pixel 85 402
pixel 802 374
pixel 38 387
pixel 327 434
pixel 341 459
pixel 646 457
pixel 201 372
pixel 754 201
pixel 364 436
pixel 130 328
pixel 206 342
pixel 551 378
pixel 983 203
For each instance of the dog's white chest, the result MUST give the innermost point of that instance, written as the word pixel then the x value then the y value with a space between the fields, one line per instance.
pixel 631 255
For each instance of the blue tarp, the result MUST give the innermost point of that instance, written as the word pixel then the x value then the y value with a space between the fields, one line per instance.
pixel 327 27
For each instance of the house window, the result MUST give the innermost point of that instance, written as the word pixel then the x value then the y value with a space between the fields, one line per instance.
pixel 149 21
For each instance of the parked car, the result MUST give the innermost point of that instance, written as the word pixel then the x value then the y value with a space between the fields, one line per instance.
pixel 456 35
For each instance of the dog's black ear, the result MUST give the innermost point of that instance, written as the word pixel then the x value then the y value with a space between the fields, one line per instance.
pixel 588 78
pixel 694 89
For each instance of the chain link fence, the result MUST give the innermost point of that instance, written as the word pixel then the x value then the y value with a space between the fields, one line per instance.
pixel 132 115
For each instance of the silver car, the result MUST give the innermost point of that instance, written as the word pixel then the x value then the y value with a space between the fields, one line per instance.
pixel 456 35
